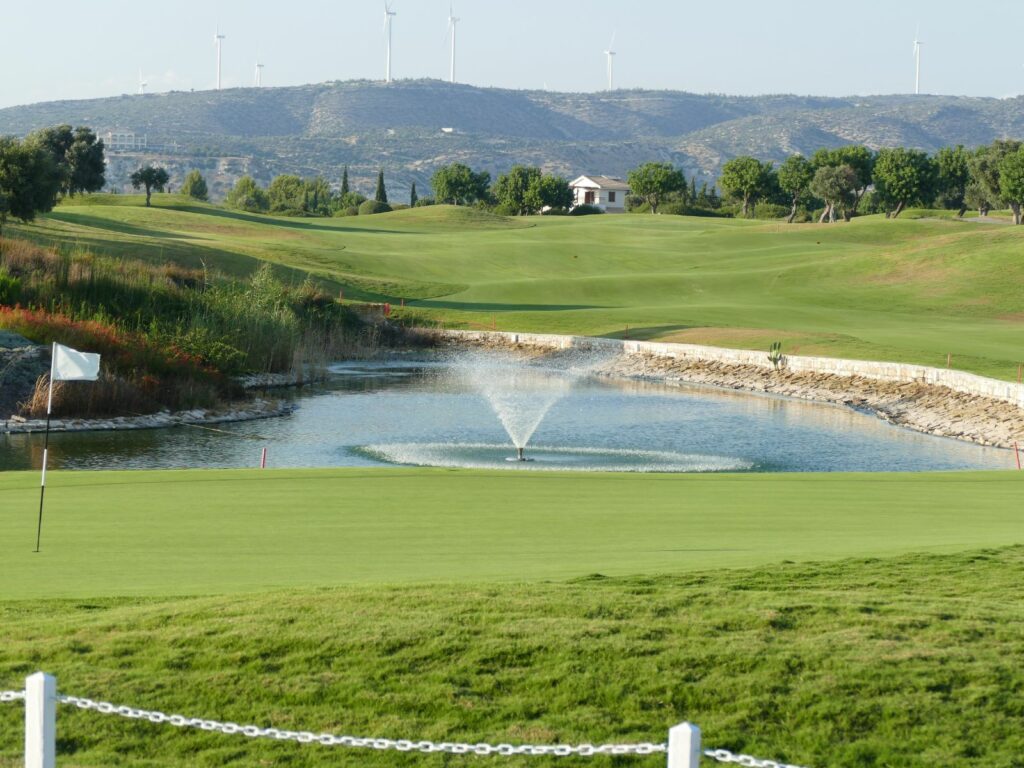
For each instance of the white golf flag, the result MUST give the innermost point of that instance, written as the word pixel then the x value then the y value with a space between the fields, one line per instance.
pixel 71 365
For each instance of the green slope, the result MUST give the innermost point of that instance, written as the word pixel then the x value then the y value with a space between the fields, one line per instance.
pixel 910 662
pixel 906 290
pixel 200 532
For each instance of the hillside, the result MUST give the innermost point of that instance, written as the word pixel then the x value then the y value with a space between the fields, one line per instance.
pixel 911 290
pixel 316 129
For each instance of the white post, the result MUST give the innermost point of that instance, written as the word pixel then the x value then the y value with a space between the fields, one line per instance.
pixel 684 746
pixel 40 721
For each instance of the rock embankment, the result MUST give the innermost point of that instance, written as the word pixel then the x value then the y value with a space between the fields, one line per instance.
pixel 253 409
pixel 927 408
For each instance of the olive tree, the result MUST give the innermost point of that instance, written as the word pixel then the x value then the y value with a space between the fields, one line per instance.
pixel 748 180
pixel 652 182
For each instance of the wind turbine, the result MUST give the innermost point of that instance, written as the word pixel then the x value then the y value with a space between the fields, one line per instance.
pixel 142 84
pixel 452 21
pixel 610 54
pixel 917 61
pixel 388 16
pixel 217 38
pixel 259 74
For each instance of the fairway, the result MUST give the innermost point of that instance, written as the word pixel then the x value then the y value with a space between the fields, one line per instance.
pixel 206 532
pixel 910 290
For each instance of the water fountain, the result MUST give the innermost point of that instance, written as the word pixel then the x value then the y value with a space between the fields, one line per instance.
pixel 521 391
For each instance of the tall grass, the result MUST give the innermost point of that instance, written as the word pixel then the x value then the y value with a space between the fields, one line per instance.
pixel 170 337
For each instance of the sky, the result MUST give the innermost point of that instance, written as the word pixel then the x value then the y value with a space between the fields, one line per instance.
pixel 68 49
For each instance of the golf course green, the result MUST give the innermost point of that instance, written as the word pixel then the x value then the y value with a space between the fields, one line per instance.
pixel 909 290
pixel 200 532
pixel 836 619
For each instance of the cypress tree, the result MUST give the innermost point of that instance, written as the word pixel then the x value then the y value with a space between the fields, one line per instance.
pixel 344 181
pixel 693 189
pixel 413 197
pixel 382 194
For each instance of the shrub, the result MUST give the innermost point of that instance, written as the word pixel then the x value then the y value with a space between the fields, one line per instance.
pixel 195 187
pixel 399 206
pixel 423 202
pixel 768 211
pixel 585 210
pixel 10 288
pixel 350 211
pixel 372 206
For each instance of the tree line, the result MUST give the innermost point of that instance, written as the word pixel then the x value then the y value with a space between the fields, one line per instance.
pixel 522 191
pixel 845 181
pixel 35 172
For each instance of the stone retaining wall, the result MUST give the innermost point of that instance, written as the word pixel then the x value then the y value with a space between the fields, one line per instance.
pixel 902 373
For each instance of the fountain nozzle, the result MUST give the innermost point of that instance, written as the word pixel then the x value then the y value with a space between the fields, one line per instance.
pixel 519 455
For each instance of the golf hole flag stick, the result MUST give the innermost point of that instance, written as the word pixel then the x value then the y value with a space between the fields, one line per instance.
pixel 66 364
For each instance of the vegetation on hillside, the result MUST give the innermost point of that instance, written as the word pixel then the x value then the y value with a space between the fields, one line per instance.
pixel 170 337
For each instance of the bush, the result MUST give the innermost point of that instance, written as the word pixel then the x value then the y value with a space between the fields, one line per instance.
pixel 10 288
pixel 350 211
pixel 423 202
pixel 585 210
pixel 399 206
pixel 771 211
pixel 372 206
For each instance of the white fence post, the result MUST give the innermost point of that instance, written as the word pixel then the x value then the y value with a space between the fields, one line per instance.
pixel 684 746
pixel 40 721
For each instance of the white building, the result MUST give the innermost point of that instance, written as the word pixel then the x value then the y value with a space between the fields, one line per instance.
pixel 606 193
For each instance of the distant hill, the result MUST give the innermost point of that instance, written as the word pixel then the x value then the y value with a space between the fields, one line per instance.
pixel 412 127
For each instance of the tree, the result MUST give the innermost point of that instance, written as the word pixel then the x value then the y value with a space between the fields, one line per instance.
pixel 904 177
pixel 795 177
pixel 985 164
pixel 512 190
pixel 1011 182
pixel 837 186
pixel 344 183
pixel 653 181
pixel 78 156
pixel 457 184
pixel 194 186
pixel 954 174
pixel 747 179
pixel 319 199
pixel 413 197
pixel 30 180
pixel 977 197
pixel 287 194
pixel 381 195
pixel 246 195
pixel 859 159
pixel 550 192
pixel 153 179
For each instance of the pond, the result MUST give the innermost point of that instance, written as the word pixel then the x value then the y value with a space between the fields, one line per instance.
pixel 439 414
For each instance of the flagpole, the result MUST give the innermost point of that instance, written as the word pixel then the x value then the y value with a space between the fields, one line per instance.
pixel 46 444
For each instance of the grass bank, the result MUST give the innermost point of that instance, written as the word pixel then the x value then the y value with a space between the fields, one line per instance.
pixel 910 662
pixel 911 290
pixel 217 531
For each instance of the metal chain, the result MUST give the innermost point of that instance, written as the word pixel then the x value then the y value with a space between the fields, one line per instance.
pixel 725 756
pixel 330 740
pixel 11 695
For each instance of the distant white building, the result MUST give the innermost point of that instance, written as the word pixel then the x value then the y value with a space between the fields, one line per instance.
pixel 124 141
pixel 604 192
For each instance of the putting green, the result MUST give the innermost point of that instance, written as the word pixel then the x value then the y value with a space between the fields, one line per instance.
pixel 207 532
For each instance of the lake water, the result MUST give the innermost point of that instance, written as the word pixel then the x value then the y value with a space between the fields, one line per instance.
pixel 419 413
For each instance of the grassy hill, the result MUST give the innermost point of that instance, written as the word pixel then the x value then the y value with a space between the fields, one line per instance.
pixel 910 290
pixel 316 129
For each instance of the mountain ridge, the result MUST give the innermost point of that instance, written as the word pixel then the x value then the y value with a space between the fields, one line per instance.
pixel 411 127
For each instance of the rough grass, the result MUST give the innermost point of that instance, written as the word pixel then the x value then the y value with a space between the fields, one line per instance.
pixel 906 290
pixel 910 662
